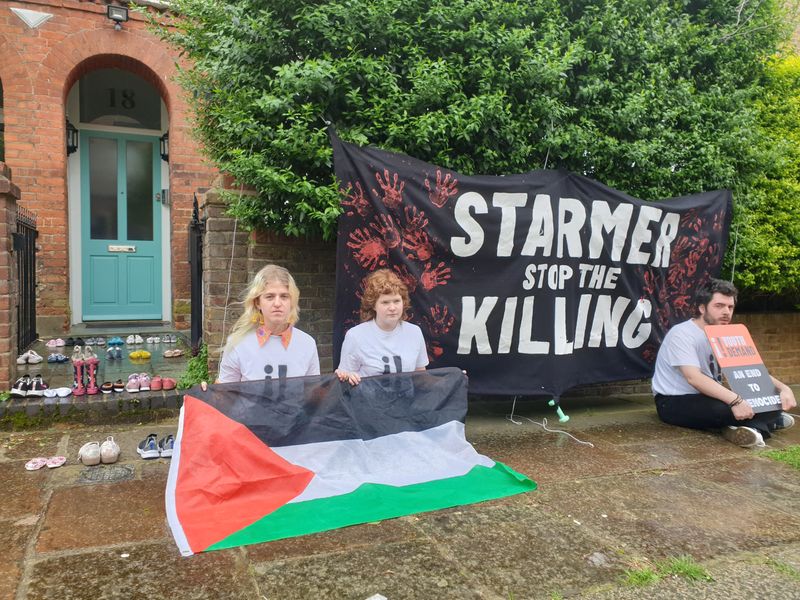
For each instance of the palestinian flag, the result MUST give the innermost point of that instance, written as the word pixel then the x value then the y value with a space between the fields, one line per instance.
pixel 266 460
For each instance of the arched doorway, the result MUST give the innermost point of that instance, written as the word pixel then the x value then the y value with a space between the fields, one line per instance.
pixel 118 198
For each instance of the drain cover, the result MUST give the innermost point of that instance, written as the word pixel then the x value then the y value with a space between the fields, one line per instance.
pixel 106 474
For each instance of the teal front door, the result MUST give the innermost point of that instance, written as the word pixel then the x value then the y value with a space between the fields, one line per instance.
pixel 120 227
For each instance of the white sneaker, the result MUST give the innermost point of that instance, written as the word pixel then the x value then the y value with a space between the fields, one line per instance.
pixel 786 421
pixel 34 358
pixel 746 437
pixel 89 454
pixel 109 451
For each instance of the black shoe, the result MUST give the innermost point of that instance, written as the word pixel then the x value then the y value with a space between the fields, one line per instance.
pixel 21 386
pixel 70 342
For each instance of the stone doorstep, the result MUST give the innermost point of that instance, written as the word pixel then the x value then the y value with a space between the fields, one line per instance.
pixel 97 408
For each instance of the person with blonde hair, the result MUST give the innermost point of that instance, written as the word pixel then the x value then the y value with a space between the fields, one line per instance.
pixel 384 342
pixel 264 341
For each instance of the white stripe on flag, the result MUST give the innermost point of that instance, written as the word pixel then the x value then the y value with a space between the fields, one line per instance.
pixel 398 459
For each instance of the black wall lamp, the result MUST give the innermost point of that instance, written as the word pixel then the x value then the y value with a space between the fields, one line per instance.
pixel 118 14
pixel 164 142
pixel 72 138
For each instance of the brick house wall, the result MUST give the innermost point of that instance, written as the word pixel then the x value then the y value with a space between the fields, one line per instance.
pixel 9 195
pixel 37 69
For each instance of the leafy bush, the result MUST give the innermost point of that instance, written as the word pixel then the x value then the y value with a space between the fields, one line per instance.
pixel 653 97
pixel 196 369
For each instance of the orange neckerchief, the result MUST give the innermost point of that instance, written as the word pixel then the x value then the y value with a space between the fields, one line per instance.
pixel 263 334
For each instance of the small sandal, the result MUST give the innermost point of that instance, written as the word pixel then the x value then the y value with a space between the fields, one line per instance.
pixel 35 464
pixel 56 461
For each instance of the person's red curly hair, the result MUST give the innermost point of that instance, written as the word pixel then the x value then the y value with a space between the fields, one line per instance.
pixel 377 283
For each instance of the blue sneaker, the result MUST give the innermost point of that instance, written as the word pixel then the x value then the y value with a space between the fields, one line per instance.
pixel 148 447
pixel 165 445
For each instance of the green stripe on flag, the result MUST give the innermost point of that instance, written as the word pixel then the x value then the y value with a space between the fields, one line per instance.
pixel 376 502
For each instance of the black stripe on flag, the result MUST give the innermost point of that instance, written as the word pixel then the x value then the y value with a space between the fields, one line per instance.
pixel 302 410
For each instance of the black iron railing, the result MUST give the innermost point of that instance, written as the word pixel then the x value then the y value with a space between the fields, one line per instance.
pixel 25 250
pixel 197 228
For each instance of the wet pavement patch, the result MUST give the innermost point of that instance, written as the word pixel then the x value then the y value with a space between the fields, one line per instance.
pixel 105 514
pixel 405 570
pixel 22 490
pixel 13 539
pixel 106 474
pixel 141 571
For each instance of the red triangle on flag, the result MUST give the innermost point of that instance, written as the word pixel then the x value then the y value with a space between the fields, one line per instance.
pixel 227 477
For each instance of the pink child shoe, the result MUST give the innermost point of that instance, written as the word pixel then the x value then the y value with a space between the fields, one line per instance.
pixel 133 384
pixel 144 382
pixel 56 461
pixel 156 384
pixel 35 464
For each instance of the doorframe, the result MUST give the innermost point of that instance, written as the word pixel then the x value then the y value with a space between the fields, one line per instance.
pixel 75 217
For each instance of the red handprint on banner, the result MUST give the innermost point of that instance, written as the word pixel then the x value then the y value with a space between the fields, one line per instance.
pixel 434 276
pixel 439 320
pixel 392 193
pixel 444 189
pixel 356 200
pixel 418 243
pixel 369 252
pixel 406 277
pixel 386 229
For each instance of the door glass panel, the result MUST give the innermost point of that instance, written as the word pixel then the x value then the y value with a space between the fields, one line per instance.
pixel 140 190
pixel 103 188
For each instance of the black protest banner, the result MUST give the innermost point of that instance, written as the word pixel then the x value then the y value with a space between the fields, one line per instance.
pixel 532 283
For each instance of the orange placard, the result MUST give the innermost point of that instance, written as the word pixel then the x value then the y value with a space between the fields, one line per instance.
pixel 732 345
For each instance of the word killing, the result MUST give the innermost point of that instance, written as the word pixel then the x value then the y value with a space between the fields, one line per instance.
pixel 599 320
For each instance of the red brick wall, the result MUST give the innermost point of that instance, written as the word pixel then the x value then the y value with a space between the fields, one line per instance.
pixel 9 195
pixel 37 69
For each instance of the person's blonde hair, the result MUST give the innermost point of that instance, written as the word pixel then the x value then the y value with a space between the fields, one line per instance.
pixel 377 283
pixel 251 318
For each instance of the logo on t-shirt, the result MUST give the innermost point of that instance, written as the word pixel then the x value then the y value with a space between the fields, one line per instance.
pixel 282 371
pixel 398 365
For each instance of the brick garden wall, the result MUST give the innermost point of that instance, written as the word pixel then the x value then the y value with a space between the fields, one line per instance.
pixel 237 257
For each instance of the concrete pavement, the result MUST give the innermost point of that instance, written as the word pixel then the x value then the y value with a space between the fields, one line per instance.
pixel 642 493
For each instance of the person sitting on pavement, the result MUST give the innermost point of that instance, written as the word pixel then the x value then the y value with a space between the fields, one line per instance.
pixel 264 341
pixel 384 342
pixel 687 380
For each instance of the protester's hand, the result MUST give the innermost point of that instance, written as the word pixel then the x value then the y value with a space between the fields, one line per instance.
pixel 351 378
pixel 204 386
pixel 743 411
pixel 788 401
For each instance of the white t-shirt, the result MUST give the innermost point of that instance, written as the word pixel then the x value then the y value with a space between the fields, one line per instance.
pixel 369 350
pixel 248 361
pixel 685 345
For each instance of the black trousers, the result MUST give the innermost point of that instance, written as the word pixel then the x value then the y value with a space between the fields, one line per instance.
pixel 698 411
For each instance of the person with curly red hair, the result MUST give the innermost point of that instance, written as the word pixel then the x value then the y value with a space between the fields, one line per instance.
pixel 385 342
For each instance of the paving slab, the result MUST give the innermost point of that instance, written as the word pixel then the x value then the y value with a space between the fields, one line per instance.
pixel 17 446
pixel 664 514
pixel 739 577
pixel 103 514
pixel 22 491
pixel 14 536
pixel 338 540
pixel 141 571
pixel 404 570
pixel 520 551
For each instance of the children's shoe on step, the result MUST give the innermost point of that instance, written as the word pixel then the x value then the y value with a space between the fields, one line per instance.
pixel 22 359
pixel 133 384
pixel 165 446
pixel 119 386
pixel 38 386
pixel 746 437
pixel 34 358
pixel 148 447
pixel 144 382
pixel 89 454
pixel 109 451
pixel 21 386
